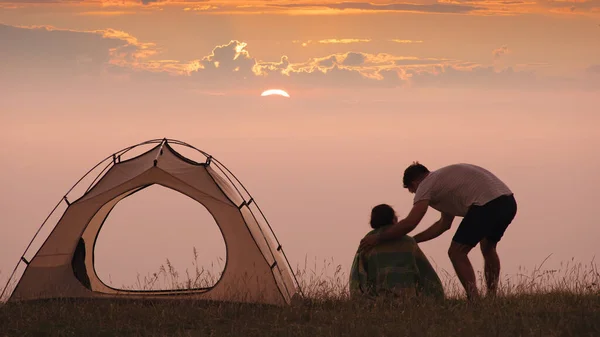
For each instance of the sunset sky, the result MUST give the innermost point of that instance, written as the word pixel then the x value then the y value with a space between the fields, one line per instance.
pixel 512 85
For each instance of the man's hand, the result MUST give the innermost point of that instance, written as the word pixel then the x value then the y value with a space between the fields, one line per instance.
pixel 405 226
pixel 398 229
pixel 368 242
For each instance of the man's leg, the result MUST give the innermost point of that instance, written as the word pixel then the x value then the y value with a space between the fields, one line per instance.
pixel 464 270
pixel 491 266
pixel 499 216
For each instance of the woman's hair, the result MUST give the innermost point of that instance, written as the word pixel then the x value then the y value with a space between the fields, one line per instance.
pixel 382 215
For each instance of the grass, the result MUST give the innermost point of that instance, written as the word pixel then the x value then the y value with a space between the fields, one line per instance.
pixel 562 302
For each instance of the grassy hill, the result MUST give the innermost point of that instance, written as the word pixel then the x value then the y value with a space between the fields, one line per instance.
pixel 552 303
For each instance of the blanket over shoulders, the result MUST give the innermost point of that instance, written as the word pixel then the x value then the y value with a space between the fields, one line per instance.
pixel 395 268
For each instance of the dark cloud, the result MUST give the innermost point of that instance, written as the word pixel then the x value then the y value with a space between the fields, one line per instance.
pixel 354 59
pixel 232 57
pixel 42 51
pixel 335 77
pixel 592 77
pixel 472 77
pixel 280 66
pixel 113 2
pixel 429 8
pixel 227 65
pixel 495 2
pixel 412 61
pixel 585 5
pixel 328 62
pixel 39 1
pixel 510 2
pixel 593 69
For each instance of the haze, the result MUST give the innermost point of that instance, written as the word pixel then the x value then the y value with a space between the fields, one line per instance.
pixel 512 86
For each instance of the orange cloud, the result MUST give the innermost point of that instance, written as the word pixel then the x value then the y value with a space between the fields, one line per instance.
pixel 203 8
pixel 498 52
pixel 330 7
pixel 350 41
pixel 343 41
pixel 266 6
pixel 379 7
pixel 406 41
pixel 308 8
pixel 105 13
pixel 120 54
pixel 332 41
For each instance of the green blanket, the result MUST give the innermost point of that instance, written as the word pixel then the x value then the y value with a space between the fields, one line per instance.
pixel 394 268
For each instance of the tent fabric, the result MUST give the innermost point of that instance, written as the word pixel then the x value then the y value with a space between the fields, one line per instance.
pixel 396 268
pixel 256 269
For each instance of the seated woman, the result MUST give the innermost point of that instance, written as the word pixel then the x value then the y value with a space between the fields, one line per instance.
pixel 396 268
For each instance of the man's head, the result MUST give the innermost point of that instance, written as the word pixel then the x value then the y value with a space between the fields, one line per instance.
pixel 382 215
pixel 413 175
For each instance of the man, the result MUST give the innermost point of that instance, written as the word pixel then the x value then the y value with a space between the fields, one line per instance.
pixel 397 268
pixel 486 204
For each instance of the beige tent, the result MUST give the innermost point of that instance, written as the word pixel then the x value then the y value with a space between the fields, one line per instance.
pixel 256 268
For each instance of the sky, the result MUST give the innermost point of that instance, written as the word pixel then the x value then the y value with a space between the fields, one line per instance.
pixel 513 86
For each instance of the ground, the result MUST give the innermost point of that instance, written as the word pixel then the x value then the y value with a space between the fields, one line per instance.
pixel 551 314
pixel 551 303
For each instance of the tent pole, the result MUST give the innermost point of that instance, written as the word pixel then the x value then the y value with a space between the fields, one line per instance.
pixel 160 151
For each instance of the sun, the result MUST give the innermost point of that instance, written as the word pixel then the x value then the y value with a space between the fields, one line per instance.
pixel 275 92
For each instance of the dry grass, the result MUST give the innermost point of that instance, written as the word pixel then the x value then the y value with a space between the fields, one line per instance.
pixel 563 302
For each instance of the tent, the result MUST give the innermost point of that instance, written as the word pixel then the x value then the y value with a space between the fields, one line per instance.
pixel 256 268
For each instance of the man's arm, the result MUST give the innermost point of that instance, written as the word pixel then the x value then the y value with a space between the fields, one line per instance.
pixel 435 230
pixel 407 224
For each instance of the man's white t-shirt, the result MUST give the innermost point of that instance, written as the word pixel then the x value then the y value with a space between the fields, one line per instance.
pixel 454 188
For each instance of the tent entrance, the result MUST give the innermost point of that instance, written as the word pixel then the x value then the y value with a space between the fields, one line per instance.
pixel 159 239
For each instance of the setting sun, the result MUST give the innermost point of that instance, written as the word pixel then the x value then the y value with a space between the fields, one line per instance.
pixel 275 92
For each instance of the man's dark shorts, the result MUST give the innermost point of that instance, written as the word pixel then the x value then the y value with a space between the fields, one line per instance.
pixel 488 221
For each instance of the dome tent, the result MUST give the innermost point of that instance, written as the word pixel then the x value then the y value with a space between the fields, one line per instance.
pixel 256 268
